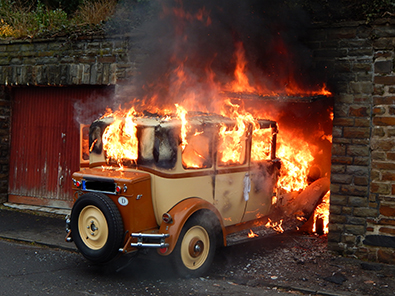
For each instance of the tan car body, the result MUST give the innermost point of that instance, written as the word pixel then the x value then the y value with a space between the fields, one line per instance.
pixel 237 195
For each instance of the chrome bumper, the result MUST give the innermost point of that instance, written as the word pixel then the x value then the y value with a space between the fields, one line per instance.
pixel 147 240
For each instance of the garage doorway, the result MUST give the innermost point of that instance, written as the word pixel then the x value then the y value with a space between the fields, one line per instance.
pixel 45 142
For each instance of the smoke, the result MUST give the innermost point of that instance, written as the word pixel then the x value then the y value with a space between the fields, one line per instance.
pixel 186 45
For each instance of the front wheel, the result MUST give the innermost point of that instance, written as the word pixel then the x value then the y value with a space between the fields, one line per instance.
pixel 97 228
pixel 195 248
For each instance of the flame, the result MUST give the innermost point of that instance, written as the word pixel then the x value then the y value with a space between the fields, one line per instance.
pixel 261 144
pixel 251 234
pixel 189 92
pixel 296 158
pixel 181 114
pixel 120 139
pixel 277 226
pixel 322 212
pixel 241 82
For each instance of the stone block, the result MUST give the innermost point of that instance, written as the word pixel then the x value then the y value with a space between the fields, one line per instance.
pixel 384 121
pixel 335 228
pixel 341 178
pixel 390 131
pixel 334 237
pixel 379 156
pixel 383 67
pixel 340 200
pixel 356 220
pixel 356 132
pixel 362 122
pixel 338 169
pixel 380 188
pixel 337 132
pixel 383 165
pixel 386 80
pixel 386 256
pixel 357 150
pixel 362 87
pixel 359 111
pixel 345 98
pixel 386 221
pixel 341 160
pixel 354 229
pixel 384 144
pixel 342 121
pixel 357 170
pixel 390 100
pixel 378 110
pixel 387 230
pixel 338 149
pixel 388 176
pixel 365 212
pixel 357 201
pixel 335 209
pixel 363 181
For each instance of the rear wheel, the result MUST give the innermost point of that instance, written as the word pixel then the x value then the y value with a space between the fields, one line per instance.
pixel 97 228
pixel 195 248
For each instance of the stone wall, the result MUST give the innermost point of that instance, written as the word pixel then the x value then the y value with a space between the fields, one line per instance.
pixel 360 59
pixel 56 62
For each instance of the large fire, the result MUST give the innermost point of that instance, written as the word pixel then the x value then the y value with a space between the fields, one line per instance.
pixel 188 90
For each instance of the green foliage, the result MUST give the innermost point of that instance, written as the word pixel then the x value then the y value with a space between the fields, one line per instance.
pixel 30 21
pixel 47 18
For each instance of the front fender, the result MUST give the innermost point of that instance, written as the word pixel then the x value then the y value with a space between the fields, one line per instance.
pixel 180 213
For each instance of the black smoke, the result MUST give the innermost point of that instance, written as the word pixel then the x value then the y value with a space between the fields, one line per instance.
pixel 202 37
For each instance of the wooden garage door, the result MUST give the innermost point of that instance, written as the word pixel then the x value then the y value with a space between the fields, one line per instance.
pixel 45 142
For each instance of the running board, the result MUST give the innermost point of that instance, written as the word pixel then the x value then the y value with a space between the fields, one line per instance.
pixel 242 236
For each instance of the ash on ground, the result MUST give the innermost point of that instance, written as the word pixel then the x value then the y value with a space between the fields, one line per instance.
pixel 292 261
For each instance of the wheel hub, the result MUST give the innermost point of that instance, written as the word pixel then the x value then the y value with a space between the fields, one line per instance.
pixel 92 227
pixel 196 247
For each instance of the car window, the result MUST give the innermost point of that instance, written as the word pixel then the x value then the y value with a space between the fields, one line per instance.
pixel 197 152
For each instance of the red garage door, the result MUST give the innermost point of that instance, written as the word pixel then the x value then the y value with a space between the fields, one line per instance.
pixel 45 142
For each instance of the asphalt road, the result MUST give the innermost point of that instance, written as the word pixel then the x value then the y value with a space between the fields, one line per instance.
pixel 27 269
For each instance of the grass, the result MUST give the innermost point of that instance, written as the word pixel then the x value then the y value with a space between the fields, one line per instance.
pixel 20 21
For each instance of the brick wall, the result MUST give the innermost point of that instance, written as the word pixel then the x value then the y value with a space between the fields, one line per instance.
pixel 359 59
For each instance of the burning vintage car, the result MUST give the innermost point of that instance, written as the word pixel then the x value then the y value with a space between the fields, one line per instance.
pixel 187 185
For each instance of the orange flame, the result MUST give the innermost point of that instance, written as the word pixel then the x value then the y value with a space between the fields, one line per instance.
pixel 296 158
pixel 277 226
pixel 251 234
pixel 181 114
pixel 322 212
pixel 120 139
pixel 241 82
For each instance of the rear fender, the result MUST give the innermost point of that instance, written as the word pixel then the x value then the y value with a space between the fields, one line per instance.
pixel 180 213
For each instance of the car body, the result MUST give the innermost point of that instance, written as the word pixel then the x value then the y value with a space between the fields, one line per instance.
pixel 183 198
